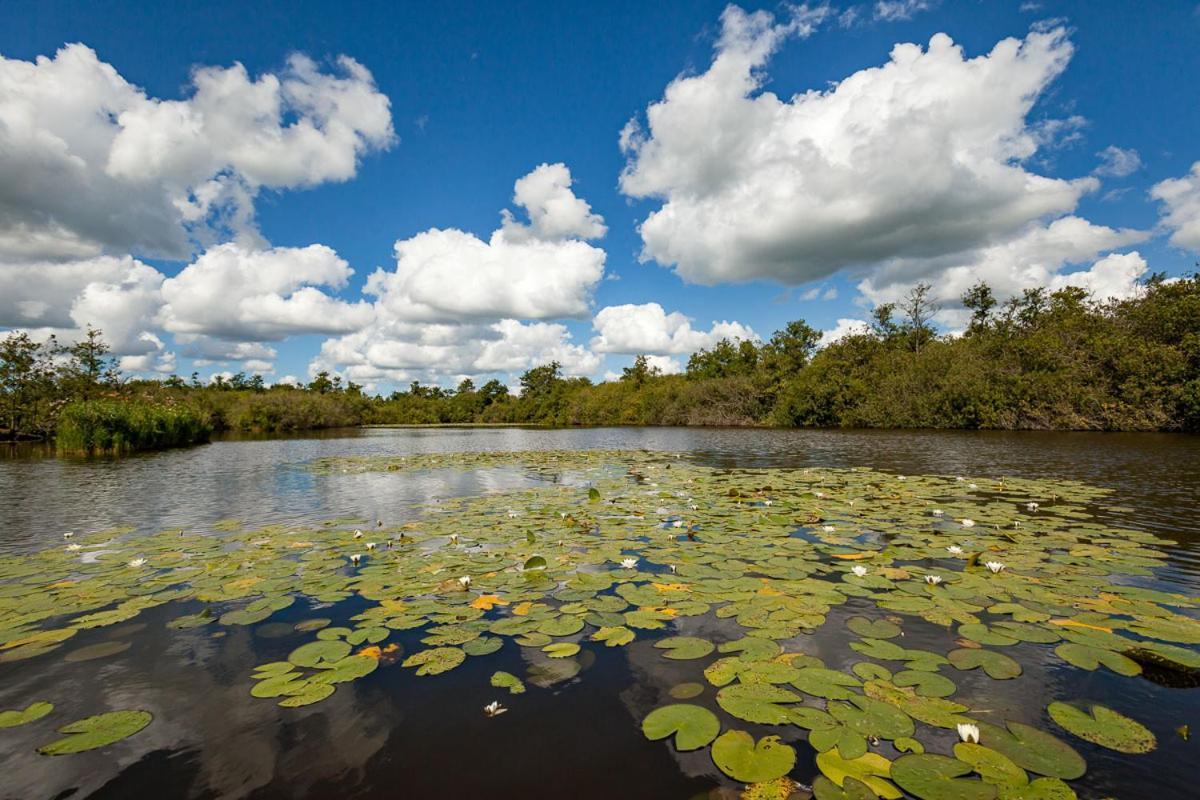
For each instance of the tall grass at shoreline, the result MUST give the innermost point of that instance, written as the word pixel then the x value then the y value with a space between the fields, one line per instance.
pixel 94 427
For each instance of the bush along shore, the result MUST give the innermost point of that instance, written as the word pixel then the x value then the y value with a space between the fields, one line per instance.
pixel 1041 361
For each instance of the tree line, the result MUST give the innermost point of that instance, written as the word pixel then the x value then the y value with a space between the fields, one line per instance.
pixel 1043 360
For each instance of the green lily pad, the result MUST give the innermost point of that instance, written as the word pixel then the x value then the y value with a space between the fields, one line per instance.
pixel 997 665
pixel 436 660
pixel 926 684
pixel 827 683
pixel 873 629
pixel 320 652
pixel 506 680
pixel 561 649
pixel 1090 658
pixel 684 648
pixel 31 713
pixel 311 692
pixel 994 767
pixel 1104 727
pixel 741 758
pixel 98 731
pixel 757 702
pixel 614 636
pixel 1034 750
pixel 692 726
pixel 933 777
pixel 871 769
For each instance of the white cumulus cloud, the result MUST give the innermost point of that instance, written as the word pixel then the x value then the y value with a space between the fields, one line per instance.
pixel 92 165
pixel 243 294
pixel 648 329
pixel 922 157
pixel 456 305
pixel 541 270
pixel 1180 198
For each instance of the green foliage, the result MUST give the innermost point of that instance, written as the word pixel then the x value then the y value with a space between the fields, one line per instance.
pixel 112 426
pixel 1038 361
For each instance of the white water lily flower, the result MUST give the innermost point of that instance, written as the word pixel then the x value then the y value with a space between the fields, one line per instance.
pixel 828 528
pixel 901 478
pixel 358 534
pixel 357 557
pixel 137 562
pixel 968 733
pixel 370 545
pixel 494 709
pixel 677 523
pixel 954 550
pixel 967 523
pixel 512 514
pixel 73 547
pixel 818 494
pixel 937 512
pixel 1032 506
pixel 68 534
pixel 960 478
pixel 629 563
pixel 766 502
pixel 454 538
pixel 859 571
pixel 995 566
pixel 464 581
pixel 972 486
pixel 933 580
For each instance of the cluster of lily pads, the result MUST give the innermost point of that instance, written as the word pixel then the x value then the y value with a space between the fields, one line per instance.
pixel 621 545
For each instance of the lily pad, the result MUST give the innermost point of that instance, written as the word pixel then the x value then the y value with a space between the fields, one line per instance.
pixel 684 648
pixel 506 680
pixel 436 660
pixel 997 665
pixel 98 731
pixel 871 769
pixel 1034 750
pixel 692 726
pixel 1104 727
pixel 934 777
pixel 31 713
pixel 757 702
pixel 741 758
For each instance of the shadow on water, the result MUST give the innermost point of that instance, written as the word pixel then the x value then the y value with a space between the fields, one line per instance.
pixel 391 735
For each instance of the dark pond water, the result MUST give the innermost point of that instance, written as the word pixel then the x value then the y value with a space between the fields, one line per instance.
pixel 393 735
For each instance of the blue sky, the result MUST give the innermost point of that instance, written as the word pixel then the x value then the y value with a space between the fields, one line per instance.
pixel 480 94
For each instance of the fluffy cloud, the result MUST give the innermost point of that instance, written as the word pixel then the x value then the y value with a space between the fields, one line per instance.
pixel 93 165
pixel 120 296
pixel 457 305
pixel 241 294
pixel 555 213
pixel 540 270
pixel 1037 257
pixel 844 328
pixel 923 157
pixel 1116 162
pixel 1181 208
pixel 398 352
pixel 647 328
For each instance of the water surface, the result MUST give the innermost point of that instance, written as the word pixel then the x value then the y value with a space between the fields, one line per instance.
pixel 395 735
